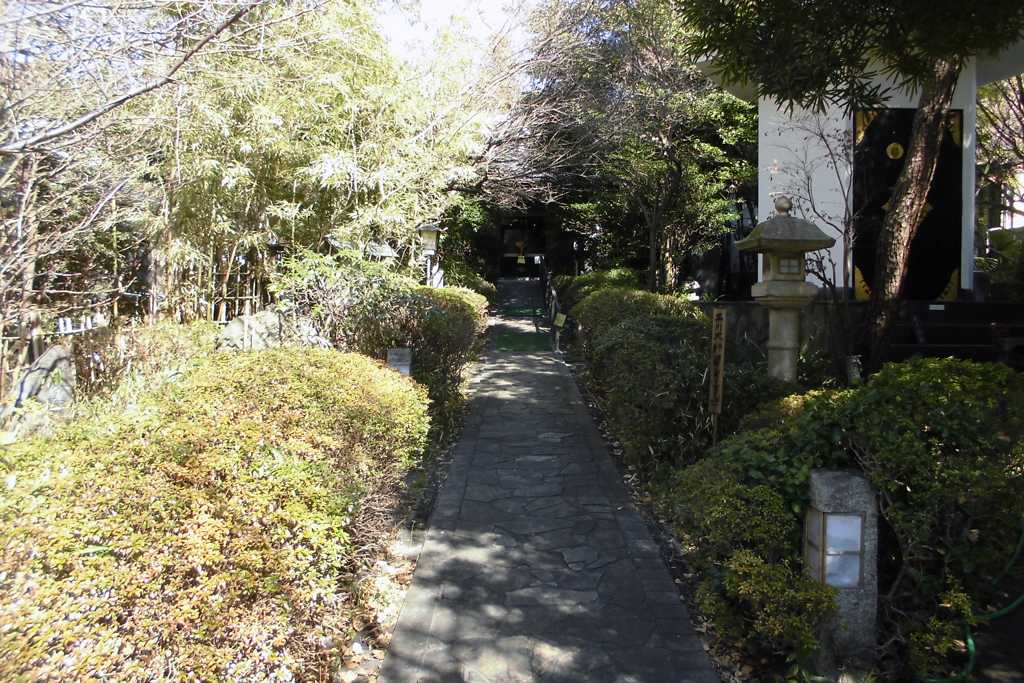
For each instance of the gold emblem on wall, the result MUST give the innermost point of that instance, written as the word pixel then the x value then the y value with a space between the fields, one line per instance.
pixel 860 287
pixel 864 119
pixel 952 290
pixel 894 151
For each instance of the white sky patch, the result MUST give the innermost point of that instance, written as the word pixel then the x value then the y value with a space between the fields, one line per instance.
pixel 411 27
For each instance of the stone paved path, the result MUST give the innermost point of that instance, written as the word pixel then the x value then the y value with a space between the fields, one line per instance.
pixel 536 566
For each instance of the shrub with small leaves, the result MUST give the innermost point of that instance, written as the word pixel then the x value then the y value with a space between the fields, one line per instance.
pixel 744 538
pixel 108 358
pixel 580 287
pixel 655 373
pixel 211 532
pixel 772 602
pixel 943 443
pixel 606 308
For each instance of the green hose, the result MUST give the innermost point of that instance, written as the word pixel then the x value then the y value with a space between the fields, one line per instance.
pixel 968 637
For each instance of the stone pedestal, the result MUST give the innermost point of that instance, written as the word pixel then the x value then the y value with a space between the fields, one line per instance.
pixel 784 300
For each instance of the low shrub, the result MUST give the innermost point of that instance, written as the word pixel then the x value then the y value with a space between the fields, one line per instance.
pixel 741 510
pixel 745 541
pixel 606 308
pixel 354 302
pixel 582 286
pixel 561 284
pixel 212 532
pixel 364 307
pixel 654 372
pixel 775 604
pixel 460 275
pixel 942 443
pixel 110 357
pixel 445 336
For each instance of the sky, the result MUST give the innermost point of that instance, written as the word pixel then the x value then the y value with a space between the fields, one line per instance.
pixel 410 27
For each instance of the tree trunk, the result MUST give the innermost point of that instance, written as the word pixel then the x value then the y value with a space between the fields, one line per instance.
pixel 906 208
pixel 652 272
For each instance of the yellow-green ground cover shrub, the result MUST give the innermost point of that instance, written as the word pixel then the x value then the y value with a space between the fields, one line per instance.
pixel 211 532
pixel 942 443
pixel 106 358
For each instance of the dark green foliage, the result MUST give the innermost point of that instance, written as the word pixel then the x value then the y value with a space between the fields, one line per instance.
pixel 941 440
pixel 655 371
pixel 942 443
pixel 742 510
pixel 352 300
pixel 215 528
pixel 561 284
pixel 722 511
pixel 831 51
pixel 773 604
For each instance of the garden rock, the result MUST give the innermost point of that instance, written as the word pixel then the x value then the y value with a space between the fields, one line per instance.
pixel 50 380
pixel 268 329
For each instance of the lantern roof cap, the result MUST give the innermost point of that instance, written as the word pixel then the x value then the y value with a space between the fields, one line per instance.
pixel 785 233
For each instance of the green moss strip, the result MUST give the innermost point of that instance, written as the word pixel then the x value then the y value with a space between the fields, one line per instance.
pixel 521 312
pixel 524 341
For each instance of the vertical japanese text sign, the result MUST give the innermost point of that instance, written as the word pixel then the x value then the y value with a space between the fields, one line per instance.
pixel 717 360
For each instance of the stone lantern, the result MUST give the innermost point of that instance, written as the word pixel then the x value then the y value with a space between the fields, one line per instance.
pixel 784 240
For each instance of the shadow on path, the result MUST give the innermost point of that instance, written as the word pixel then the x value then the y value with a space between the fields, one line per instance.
pixel 536 566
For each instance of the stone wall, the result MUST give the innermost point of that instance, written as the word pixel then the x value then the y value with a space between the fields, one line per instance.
pixel 747 322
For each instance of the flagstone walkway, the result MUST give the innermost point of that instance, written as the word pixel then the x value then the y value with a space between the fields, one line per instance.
pixel 537 566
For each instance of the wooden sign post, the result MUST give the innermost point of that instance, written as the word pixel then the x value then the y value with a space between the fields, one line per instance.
pixel 717 369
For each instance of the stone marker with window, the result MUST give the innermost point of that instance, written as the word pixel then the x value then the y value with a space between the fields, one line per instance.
pixel 841 547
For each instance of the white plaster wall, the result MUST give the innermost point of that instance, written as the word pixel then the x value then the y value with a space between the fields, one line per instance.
pixel 796 163
pixel 794 160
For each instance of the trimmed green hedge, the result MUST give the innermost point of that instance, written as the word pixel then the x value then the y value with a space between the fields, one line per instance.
pixel 580 287
pixel 655 372
pixel 445 336
pixel 211 532
pixel 606 308
pixel 364 307
pixel 943 444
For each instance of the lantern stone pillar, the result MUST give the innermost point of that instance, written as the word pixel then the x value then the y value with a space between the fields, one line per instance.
pixel 784 242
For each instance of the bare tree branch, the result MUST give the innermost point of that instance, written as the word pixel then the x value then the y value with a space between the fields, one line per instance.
pixel 35 143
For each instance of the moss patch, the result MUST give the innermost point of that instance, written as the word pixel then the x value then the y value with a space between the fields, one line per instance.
pixel 524 341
